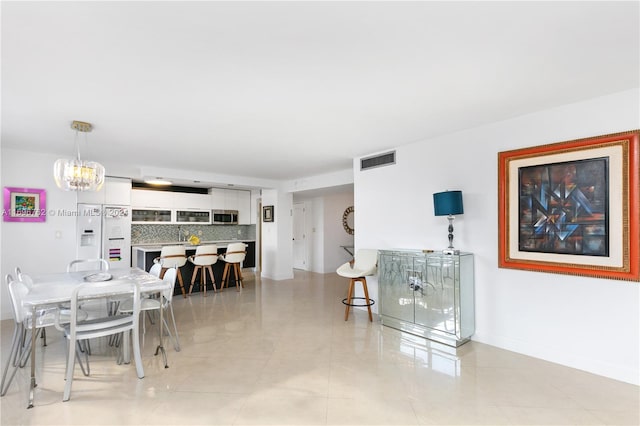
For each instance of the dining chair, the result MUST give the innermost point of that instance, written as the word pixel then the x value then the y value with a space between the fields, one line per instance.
pixel 152 304
pixel 95 308
pixel 173 257
pixel 23 327
pixel 203 259
pixel 126 324
pixel 365 263
pixel 21 340
pixel 28 282
pixel 88 265
pixel 236 252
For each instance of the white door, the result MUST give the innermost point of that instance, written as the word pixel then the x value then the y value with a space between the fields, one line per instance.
pixel 299 237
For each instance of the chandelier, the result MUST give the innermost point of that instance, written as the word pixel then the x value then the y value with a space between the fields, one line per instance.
pixel 76 174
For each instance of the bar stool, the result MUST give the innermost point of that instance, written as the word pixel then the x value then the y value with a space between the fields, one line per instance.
pixel 234 256
pixel 203 259
pixel 365 264
pixel 172 257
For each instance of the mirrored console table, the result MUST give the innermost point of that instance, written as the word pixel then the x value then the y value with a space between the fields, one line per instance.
pixel 428 294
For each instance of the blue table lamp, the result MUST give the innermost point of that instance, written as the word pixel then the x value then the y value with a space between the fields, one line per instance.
pixel 448 203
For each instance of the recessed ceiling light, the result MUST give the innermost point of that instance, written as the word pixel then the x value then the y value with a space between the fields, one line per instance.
pixel 157 181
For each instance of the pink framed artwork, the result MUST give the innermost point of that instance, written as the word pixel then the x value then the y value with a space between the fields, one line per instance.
pixel 24 205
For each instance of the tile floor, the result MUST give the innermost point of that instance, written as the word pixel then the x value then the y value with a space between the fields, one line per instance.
pixel 280 353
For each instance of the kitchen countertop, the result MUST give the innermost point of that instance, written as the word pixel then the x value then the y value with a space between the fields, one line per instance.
pixel 149 247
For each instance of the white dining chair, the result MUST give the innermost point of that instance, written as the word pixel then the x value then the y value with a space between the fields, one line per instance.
pixel 23 327
pixel 126 324
pixel 152 304
pixel 88 265
pixel 28 282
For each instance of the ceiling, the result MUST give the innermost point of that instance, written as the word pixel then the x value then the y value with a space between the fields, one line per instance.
pixel 284 90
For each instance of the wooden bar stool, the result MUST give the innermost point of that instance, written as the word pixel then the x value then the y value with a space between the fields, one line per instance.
pixel 172 257
pixel 234 256
pixel 203 259
pixel 364 264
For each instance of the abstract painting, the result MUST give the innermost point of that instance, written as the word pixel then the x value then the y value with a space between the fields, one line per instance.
pixel 572 207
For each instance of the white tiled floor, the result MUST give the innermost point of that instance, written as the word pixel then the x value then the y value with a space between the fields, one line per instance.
pixel 280 352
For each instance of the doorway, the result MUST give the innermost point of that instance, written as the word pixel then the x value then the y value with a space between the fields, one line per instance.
pixel 299 237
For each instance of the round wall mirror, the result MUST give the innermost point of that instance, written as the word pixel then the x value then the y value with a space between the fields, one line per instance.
pixel 348 220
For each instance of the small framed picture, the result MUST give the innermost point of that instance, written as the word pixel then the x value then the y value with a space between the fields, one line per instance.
pixel 24 205
pixel 267 214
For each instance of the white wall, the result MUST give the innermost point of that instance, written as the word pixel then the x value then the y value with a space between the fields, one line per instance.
pixel 36 247
pixel 585 323
pixel 316 207
pixel 277 246
pixel 334 233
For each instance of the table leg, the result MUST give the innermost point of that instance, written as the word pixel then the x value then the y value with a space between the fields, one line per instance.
pixel 160 347
pixel 33 383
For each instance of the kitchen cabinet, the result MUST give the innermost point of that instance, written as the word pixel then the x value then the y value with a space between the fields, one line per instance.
pixel 200 205
pixel 188 201
pixel 146 198
pixel 430 295
pixel 152 216
pixel 200 217
pixel 116 191
pixel 233 199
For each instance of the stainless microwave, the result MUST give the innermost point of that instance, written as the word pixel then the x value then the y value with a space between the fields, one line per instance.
pixel 225 217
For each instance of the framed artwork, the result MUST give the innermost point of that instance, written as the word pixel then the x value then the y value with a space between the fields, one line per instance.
pixel 572 207
pixel 267 214
pixel 24 205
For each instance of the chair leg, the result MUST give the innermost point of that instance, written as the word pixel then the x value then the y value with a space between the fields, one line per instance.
pixel 15 342
pixel 176 339
pixel 71 362
pixel 136 351
pixel 240 274
pixel 193 278
pixel 181 283
pixel 349 295
pixel 236 274
pixel 213 280
pixel 366 298
pixel 25 347
pixel 225 277
pixel 203 281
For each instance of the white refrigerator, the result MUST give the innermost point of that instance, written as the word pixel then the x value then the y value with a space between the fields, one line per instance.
pixel 104 231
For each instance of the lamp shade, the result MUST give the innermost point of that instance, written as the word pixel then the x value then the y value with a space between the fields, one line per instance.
pixel 447 203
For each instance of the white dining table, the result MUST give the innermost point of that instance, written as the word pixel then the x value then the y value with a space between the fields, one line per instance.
pixel 57 288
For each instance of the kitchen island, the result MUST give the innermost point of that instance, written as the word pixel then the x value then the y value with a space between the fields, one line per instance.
pixel 142 256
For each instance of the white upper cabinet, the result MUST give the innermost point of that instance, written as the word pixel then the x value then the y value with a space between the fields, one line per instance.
pixel 114 191
pixel 118 191
pixel 187 201
pixel 217 198
pixel 151 198
pixel 233 199
pixel 244 207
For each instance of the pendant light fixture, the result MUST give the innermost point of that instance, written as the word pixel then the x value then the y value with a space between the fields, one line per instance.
pixel 77 174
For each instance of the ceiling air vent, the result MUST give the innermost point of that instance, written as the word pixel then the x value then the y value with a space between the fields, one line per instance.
pixel 379 160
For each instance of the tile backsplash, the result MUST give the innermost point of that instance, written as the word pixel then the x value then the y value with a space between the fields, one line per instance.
pixel 145 234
